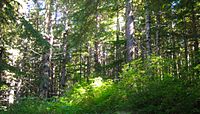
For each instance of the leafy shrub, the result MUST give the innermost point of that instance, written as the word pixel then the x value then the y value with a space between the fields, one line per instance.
pixel 138 91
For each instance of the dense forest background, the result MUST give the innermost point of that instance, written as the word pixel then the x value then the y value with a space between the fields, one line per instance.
pixel 99 56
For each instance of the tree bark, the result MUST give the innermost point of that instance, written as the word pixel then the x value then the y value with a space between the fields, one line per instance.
pixel 195 36
pixel 117 44
pixel 129 32
pixel 64 62
pixel 148 28
pixel 158 31
pixel 97 64
pixel 88 60
pixel 185 45
pixel 80 64
pixel 64 49
pixel 12 92
pixel 46 70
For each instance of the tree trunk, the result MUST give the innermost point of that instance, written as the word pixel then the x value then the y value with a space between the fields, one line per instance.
pixel 185 45
pixel 46 72
pixel 129 32
pixel 148 28
pixel 80 58
pixel 97 64
pixel 64 49
pixel 158 31
pixel 96 57
pixel 88 61
pixel 117 45
pixel 12 92
pixel 64 62
pixel 195 36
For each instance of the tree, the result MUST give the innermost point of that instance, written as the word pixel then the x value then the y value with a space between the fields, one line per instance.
pixel 63 44
pixel 46 68
pixel 129 32
pixel 148 28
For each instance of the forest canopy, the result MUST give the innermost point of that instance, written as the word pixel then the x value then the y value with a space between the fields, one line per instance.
pixel 99 56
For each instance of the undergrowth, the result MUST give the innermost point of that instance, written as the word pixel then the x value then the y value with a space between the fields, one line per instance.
pixel 138 91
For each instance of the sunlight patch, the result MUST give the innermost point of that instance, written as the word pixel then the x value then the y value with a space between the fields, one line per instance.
pixel 97 82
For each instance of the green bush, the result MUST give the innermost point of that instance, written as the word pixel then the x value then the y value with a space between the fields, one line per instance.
pixel 138 91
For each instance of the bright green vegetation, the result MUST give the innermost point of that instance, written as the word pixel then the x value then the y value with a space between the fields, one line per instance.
pixel 135 93
pixel 100 56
